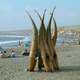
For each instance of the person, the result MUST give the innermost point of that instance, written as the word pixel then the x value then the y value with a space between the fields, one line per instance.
pixel 3 55
pixel 19 43
pixel 25 53
pixel 13 55
pixel 5 52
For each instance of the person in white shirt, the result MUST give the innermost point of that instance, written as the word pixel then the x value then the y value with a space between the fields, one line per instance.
pixel 13 55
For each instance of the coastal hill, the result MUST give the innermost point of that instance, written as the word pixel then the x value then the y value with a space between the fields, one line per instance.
pixel 16 32
pixel 75 28
pixel 29 31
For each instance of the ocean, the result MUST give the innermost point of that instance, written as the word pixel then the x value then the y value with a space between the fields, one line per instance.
pixel 11 41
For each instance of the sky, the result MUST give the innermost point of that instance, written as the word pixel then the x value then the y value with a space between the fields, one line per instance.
pixel 13 13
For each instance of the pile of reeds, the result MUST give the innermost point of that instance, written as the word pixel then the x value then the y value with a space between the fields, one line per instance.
pixel 43 45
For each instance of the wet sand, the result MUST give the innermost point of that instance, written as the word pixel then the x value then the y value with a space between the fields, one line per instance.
pixel 15 68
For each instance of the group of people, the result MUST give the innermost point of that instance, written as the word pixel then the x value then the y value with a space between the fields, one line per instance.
pixel 5 55
pixel 12 54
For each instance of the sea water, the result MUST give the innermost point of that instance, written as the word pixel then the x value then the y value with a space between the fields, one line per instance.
pixel 11 41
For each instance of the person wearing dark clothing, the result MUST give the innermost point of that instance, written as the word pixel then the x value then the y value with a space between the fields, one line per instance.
pixel 25 53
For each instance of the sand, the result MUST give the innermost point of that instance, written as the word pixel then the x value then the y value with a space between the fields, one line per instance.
pixel 69 62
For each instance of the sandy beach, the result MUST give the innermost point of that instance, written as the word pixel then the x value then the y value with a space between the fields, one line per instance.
pixel 50 29
pixel 15 68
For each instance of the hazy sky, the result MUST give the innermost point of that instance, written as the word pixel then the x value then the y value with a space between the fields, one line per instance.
pixel 13 15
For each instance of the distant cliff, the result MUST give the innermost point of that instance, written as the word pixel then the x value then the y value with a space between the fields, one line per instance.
pixel 16 32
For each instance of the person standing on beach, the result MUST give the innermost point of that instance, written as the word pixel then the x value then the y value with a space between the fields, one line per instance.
pixel 19 43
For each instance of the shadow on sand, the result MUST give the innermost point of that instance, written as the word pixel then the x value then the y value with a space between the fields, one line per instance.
pixel 64 69
pixel 69 68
